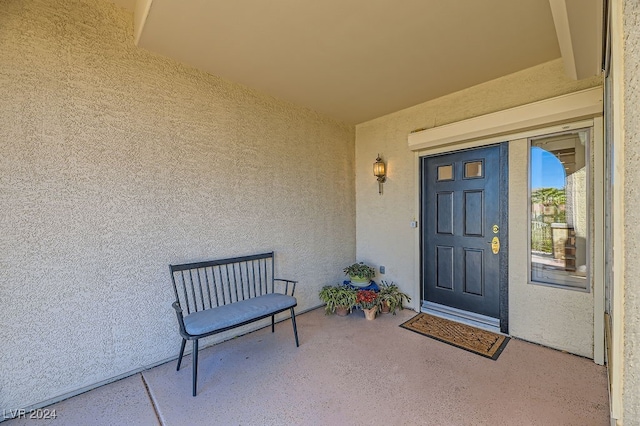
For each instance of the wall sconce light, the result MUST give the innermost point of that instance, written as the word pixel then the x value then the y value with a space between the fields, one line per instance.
pixel 379 172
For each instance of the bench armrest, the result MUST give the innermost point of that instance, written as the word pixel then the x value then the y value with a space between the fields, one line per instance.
pixel 176 306
pixel 286 287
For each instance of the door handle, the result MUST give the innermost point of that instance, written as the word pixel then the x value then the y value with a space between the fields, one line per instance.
pixel 495 245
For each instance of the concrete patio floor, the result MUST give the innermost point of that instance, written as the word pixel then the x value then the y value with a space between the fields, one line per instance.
pixel 350 371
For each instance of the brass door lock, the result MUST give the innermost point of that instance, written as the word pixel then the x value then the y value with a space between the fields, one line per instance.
pixel 495 245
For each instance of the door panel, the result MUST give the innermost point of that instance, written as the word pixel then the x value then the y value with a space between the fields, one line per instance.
pixel 473 213
pixel 460 206
pixel 445 213
pixel 444 267
pixel 473 276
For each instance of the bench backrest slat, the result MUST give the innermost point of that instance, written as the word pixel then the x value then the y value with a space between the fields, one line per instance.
pixel 229 297
pixel 215 289
pixel 253 272
pixel 202 299
pixel 203 285
pixel 208 287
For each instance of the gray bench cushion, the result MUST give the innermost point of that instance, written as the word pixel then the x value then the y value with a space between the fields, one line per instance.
pixel 236 313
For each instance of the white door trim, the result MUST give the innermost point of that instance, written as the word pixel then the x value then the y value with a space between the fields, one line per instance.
pixel 598 242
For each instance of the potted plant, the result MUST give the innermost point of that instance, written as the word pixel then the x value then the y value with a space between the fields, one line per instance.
pixel 367 300
pixel 339 299
pixel 360 274
pixel 391 298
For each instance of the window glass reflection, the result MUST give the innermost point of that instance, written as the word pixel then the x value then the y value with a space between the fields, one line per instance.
pixel 473 169
pixel 559 233
pixel 445 172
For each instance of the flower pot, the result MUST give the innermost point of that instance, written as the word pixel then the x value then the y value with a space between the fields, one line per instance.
pixel 384 308
pixel 342 311
pixel 358 281
pixel 370 314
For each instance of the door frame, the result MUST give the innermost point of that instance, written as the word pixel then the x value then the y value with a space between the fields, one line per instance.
pixel 504 226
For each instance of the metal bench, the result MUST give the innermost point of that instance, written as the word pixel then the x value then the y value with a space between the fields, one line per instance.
pixel 218 295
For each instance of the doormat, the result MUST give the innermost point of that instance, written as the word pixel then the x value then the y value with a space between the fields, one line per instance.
pixel 481 342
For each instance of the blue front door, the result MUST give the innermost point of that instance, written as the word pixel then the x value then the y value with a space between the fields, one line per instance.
pixel 461 199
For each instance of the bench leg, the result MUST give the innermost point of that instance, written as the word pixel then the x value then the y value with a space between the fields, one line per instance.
pixel 184 342
pixel 195 365
pixel 295 329
pixel 273 323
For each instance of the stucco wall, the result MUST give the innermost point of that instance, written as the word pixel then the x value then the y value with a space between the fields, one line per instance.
pixel 383 232
pixel 117 162
pixel 631 389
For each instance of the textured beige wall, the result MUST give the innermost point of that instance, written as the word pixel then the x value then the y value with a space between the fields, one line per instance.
pixel 631 389
pixel 117 162
pixel 383 232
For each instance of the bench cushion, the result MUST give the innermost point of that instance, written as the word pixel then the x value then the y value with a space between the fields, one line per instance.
pixel 236 313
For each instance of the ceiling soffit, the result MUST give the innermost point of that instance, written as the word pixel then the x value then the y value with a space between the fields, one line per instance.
pixel 354 60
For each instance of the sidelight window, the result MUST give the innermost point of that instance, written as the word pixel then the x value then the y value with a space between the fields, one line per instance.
pixel 559 226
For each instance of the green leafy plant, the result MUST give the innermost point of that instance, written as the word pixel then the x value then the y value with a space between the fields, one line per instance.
pixel 338 296
pixel 391 295
pixel 360 270
pixel 366 299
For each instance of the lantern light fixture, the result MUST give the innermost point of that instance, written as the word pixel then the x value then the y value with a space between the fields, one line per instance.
pixel 379 172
